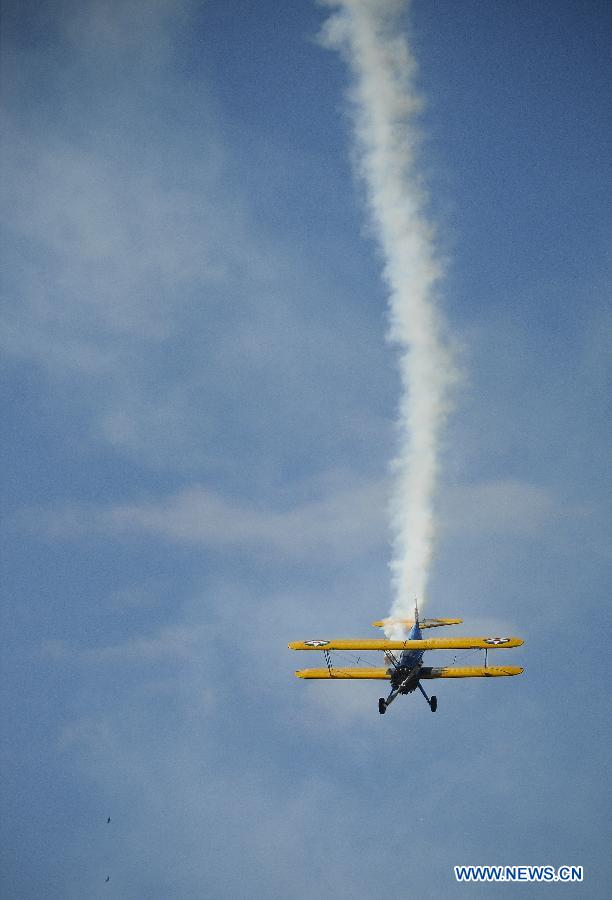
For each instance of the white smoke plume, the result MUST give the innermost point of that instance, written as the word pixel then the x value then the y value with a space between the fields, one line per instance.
pixel 385 104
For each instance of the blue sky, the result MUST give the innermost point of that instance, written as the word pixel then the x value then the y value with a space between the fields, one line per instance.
pixel 199 402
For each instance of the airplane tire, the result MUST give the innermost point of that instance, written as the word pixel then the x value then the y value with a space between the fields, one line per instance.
pixel 434 704
pixel 382 706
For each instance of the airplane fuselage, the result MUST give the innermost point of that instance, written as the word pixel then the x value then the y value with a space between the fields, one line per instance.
pixel 405 676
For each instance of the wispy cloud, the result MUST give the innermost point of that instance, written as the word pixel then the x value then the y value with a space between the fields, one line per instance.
pixel 173 642
pixel 125 231
pixel 337 521
pixel 506 506
pixel 341 524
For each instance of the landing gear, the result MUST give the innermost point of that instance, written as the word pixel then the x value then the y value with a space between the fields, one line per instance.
pixel 406 687
pixel 433 703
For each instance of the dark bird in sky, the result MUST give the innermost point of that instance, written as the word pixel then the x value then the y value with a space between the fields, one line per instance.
pixel 108 820
pixel 107 878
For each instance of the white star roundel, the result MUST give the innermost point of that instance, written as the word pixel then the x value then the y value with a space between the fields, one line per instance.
pixel 496 641
pixel 316 643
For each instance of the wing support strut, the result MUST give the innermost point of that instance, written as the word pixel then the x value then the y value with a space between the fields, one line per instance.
pixel 329 664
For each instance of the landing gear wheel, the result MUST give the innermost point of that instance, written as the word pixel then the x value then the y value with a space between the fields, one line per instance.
pixel 382 706
pixel 433 704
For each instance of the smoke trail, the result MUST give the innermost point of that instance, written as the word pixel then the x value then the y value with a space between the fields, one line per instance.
pixel 385 104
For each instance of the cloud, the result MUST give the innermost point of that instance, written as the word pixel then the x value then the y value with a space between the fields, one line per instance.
pixel 105 251
pixel 331 519
pixel 506 506
pixel 145 594
pixel 125 232
pixel 173 642
pixel 98 26
pixel 342 524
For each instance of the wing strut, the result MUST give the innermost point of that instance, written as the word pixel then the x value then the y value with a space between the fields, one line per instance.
pixel 328 661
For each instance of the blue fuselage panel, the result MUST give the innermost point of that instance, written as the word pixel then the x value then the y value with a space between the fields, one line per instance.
pixel 410 659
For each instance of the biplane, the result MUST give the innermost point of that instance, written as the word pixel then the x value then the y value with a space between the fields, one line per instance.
pixel 405 670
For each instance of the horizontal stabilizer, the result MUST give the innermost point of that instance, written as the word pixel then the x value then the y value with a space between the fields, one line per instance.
pixel 463 643
pixel 359 672
pixel 423 623
pixel 471 672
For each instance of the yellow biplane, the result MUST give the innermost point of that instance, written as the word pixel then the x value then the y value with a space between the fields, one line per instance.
pixel 406 670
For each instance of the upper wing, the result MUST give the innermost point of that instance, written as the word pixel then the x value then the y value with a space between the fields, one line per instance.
pixel 359 672
pixel 464 643
pixel 471 672
pixel 424 623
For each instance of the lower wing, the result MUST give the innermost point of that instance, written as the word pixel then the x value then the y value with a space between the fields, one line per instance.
pixel 469 672
pixel 426 672
pixel 358 672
